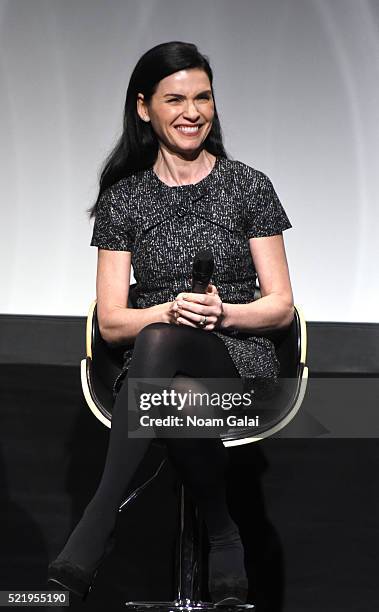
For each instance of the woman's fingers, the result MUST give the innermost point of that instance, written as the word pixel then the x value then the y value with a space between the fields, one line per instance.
pixel 175 315
pixel 212 289
pixel 185 321
pixel 195 298
pixel 193 307
pixel 203 309
pixel 174 312
pixel 195 319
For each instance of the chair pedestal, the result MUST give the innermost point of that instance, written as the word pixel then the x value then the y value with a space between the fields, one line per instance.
pixel 187 564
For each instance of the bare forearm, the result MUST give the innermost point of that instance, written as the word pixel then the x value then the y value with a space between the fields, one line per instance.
pixel 265 314
pixel 122 325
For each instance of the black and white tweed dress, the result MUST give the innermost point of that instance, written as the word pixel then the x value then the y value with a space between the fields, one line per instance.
pixel 165 226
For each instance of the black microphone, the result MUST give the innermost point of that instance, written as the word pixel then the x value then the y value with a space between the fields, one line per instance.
pixel 202 270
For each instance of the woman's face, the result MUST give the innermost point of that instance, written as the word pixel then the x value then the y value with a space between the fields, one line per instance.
pixel 181 110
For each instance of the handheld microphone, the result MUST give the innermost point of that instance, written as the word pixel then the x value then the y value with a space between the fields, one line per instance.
pixel 202 270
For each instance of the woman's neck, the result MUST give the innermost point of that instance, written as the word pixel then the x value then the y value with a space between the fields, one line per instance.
pixel 175 171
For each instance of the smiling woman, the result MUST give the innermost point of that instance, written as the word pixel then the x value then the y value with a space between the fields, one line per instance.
pixel 172 108
pixel 181 121
pixel 167 191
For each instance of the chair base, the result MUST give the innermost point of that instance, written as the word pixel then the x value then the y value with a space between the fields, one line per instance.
pixel 183 605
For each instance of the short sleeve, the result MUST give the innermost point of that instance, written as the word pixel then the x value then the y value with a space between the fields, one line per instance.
pixel 112 228
pixel 264 213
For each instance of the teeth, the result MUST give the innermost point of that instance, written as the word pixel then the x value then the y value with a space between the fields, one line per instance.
pixel 188 129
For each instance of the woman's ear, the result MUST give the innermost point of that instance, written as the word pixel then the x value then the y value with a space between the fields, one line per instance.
pixel 141 108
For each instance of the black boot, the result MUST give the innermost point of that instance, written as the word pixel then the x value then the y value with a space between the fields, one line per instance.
pixel 228 584
pixel 75 578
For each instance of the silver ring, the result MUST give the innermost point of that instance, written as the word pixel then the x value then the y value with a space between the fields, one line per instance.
pixel 203 321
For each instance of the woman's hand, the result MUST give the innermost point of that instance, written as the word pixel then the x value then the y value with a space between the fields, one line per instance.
pixel 202 310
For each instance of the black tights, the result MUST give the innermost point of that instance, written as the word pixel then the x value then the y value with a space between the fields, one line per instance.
pixel 167 351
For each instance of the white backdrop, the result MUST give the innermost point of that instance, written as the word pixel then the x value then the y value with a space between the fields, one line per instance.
pixel 297 89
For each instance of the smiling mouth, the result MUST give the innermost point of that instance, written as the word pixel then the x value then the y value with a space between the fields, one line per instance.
pixel 193 129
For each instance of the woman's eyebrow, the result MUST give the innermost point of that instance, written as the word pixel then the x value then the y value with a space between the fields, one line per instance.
pixel 207 91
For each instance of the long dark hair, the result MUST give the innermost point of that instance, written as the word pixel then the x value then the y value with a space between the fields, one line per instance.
pixel 137 147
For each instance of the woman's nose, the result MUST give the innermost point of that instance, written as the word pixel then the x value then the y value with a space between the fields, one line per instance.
pixel 190 110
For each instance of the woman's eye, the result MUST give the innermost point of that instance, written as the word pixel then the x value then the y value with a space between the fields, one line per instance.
pixel 205 97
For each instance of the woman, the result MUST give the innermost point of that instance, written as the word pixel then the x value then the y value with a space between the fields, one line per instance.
pixel 167 190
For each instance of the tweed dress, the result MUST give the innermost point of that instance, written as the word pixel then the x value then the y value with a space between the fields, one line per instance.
pixel 164 226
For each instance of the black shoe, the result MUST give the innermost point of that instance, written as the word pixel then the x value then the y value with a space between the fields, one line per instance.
pixel 226 591
pixel 73 577
pixel 228 583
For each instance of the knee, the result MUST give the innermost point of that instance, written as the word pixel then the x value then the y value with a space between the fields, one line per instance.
pixel 149 331
pixel 156 325
pixel 153 329
pixel 157 336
